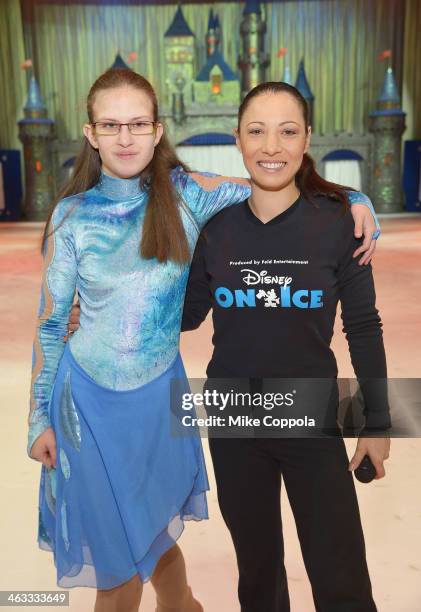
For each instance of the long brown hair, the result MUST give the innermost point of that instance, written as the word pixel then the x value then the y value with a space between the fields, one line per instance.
pixel 163 234
pixel 308 181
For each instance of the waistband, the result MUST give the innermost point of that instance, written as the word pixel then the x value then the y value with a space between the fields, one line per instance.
pixel 176 364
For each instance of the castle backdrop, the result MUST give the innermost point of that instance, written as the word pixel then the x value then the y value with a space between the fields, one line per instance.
pixel 202 58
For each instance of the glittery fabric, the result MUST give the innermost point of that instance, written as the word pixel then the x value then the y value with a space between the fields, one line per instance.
pixel 130 307
pixel 42 533
pixel 64 531
pixel 64 464
pixel 50 489
pixel 69 420
pixel 133 483
pixel 356 197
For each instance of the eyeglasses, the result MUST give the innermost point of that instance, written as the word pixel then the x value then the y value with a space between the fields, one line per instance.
pixel 140 128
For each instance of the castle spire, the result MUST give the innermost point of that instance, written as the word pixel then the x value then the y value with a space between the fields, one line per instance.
pixel 119 63
pixel 179 26
pixel 35 105
pixel 211 35
pixel 252 6
pixel 302 83
pixel 217 26
pixel 211 20
pixel 286 77
pixel 389 95
pixel 304 88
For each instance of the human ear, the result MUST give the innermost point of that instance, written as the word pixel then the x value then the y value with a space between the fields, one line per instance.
pixel 308 139
pixel 236 135
pixel 159 130
pixel 89 132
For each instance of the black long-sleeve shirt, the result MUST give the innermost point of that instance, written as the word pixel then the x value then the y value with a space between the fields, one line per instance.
pixel 274 289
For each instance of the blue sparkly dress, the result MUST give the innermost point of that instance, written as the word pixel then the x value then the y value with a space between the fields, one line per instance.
pixel 123 483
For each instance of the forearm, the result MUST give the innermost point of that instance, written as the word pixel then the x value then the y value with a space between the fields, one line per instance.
pixel 369 363
pixel 48 348
pixel 57 293
pixel 362 326
pixel 365 341
pixel 206 193
pixel 38 423
pixel 363 329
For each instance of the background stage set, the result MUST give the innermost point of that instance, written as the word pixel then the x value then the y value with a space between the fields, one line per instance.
pixel 357 62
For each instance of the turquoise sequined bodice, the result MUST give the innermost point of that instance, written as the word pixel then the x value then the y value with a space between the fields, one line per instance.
pixel 131 307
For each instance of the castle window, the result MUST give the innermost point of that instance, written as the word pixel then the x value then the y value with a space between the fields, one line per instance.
pixel 216 83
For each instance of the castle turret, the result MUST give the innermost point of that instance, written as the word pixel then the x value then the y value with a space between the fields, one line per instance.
pixel 179 46
pixel 304 88
pixel 211 41
pixel 387 123
pixel 36 134
pixel 286 77
pixel 217 27
pixel 253 60
pixel 120 63
pixel 389 96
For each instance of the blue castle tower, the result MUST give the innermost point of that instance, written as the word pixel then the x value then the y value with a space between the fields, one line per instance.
pixel 253 60
pixel 387 123
pixel 36 133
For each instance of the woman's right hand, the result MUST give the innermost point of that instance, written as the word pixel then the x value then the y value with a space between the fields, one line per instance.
pixel 44 448
pixel 74 320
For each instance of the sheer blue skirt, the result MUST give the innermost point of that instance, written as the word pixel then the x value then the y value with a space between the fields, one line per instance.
pixel 123 484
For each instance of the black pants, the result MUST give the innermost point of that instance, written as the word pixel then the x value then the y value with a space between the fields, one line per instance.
pixel 322 496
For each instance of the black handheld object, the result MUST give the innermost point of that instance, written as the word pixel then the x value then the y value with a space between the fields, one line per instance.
pixel 366 471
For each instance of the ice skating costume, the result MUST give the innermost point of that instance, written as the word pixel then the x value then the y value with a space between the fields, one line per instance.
pixel 123 485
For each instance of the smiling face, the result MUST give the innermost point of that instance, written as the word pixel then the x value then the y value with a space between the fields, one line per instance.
pixel 273 138
pixel 124 155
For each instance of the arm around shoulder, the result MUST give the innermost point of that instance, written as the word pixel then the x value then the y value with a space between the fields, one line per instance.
pixel 207 193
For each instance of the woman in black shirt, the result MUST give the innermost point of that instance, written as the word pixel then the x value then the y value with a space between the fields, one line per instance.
pixel 273 270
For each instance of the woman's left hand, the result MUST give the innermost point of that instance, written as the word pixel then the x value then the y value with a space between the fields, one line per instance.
pixel 364 226
pixel 378 451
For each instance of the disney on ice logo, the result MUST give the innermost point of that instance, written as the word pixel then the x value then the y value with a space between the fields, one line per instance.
pixel 255 278
pixel 281 297
pixel 286 298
